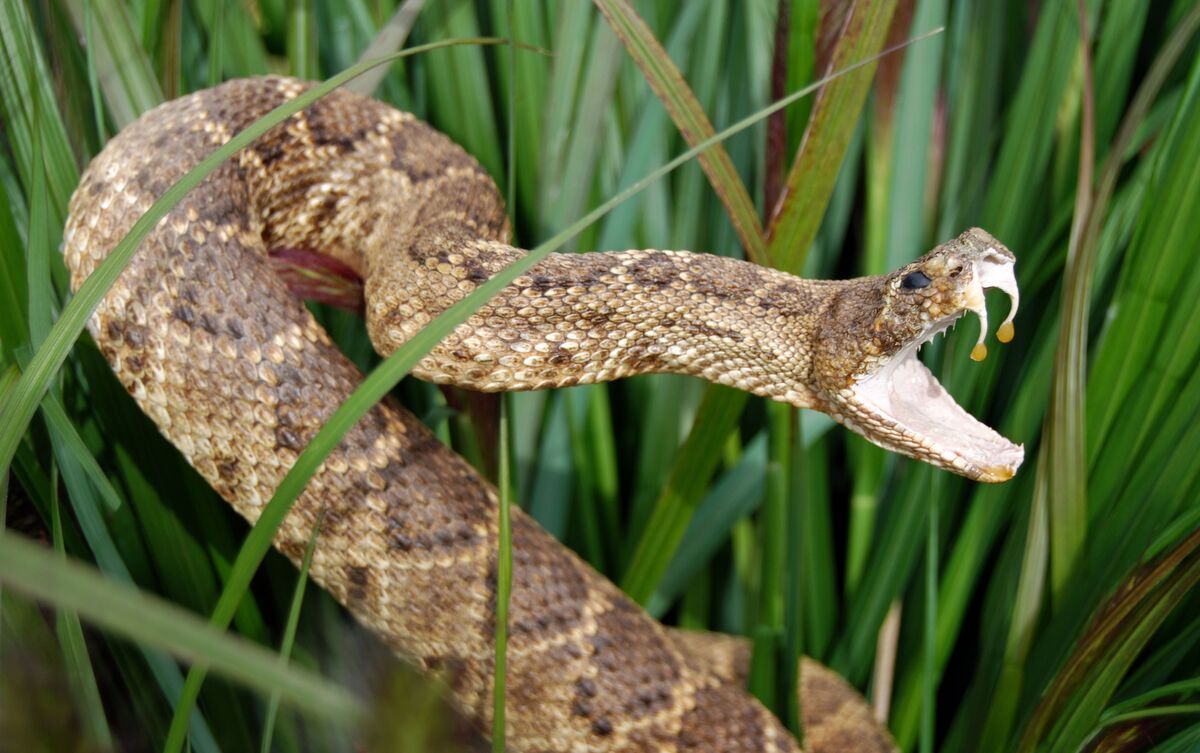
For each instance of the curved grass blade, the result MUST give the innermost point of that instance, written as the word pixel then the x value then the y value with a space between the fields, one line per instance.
pixel 1121 627
pixel 663 531
pixel 22 64
pixel 151 621
pixel 302 42
pixel 504 558
pixel 389 39
pixel 689 117
pixel 737 494
pixel 796 219
pixel 1066 428
pixel 289 632
pixel 121 66
pixel 504 567
pixel 70 635
pixel 89 25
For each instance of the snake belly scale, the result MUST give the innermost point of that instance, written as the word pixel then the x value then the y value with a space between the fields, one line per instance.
pixel 239 376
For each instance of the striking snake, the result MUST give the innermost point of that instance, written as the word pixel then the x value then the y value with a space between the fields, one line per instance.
pixel 238 375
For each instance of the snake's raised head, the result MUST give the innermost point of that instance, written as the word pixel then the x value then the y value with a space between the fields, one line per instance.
pixel 879 387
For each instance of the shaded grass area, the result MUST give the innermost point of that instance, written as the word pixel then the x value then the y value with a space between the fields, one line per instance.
pixel 1050 613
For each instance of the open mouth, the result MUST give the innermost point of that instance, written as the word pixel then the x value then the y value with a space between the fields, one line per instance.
pixel 924 419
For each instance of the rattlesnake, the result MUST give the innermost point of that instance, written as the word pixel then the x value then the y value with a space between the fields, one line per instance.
pixel 238 375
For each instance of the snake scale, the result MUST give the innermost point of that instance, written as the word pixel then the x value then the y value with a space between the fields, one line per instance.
pixel 237 374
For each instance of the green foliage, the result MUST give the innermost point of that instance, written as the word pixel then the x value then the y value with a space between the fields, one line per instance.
pixel 1066 597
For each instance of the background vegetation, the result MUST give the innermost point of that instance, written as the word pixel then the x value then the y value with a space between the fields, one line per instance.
pixel 1055 612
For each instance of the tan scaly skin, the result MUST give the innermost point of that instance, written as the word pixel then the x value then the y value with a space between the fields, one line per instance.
pixel 237 374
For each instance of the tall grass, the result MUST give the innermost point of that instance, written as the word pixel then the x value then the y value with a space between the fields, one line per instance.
pixel 1055 612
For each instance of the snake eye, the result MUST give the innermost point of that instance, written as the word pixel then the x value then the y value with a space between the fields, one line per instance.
pixel 915 280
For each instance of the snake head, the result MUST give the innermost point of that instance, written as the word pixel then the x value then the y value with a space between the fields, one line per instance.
pixel 890 397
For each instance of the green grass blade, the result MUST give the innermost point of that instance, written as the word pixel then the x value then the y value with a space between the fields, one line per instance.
pixel 56 417
pixel 1025 152
pixel 302 43
pixel 929 623
pixel 504 555
pixel 459 96
pixel 1122 626
pixel 1065 463
pixel 504 566
pixel 550 488
pixel 123 69
pixel 767 680
pixel 685 110
pixel 389 39
pixel 689 476
pixel 70 636
pixel 810 181
pixel 733 497
pixel 29 569
pixel 14 288
pixel 24 88
pixel 289 633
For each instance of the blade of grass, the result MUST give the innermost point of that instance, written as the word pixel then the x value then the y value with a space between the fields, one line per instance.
pixel 795 220
pixel 772 677
pixel 929 623
pixel 389 39
pixel 551 486
pixel 733 497
pixel 70 636
pixel 504 558
pixel 37 255
pixel 768 679
pixel 121 66
pixel 233 46
pixel 503 586
pixel 587 126
pixel 89 35
pixel 21 63
pixel 302 43
pixel 689 477
pixel 685 110
pixel 1121 627
pixel 289 633
pixel 150 621
pixel 459 97
pixel 527 22
pixel 574 25
pixel 56 417
pixel 1066 429
pixel 14 287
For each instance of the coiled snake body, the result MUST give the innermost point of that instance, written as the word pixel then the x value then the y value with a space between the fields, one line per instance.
pixel 237 374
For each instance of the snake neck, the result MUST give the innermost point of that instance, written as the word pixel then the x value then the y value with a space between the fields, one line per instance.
pixel 594 317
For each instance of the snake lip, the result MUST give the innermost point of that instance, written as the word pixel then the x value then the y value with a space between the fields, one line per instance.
pixel 914 414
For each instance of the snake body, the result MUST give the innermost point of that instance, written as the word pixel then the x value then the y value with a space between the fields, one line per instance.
pixel 238 375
